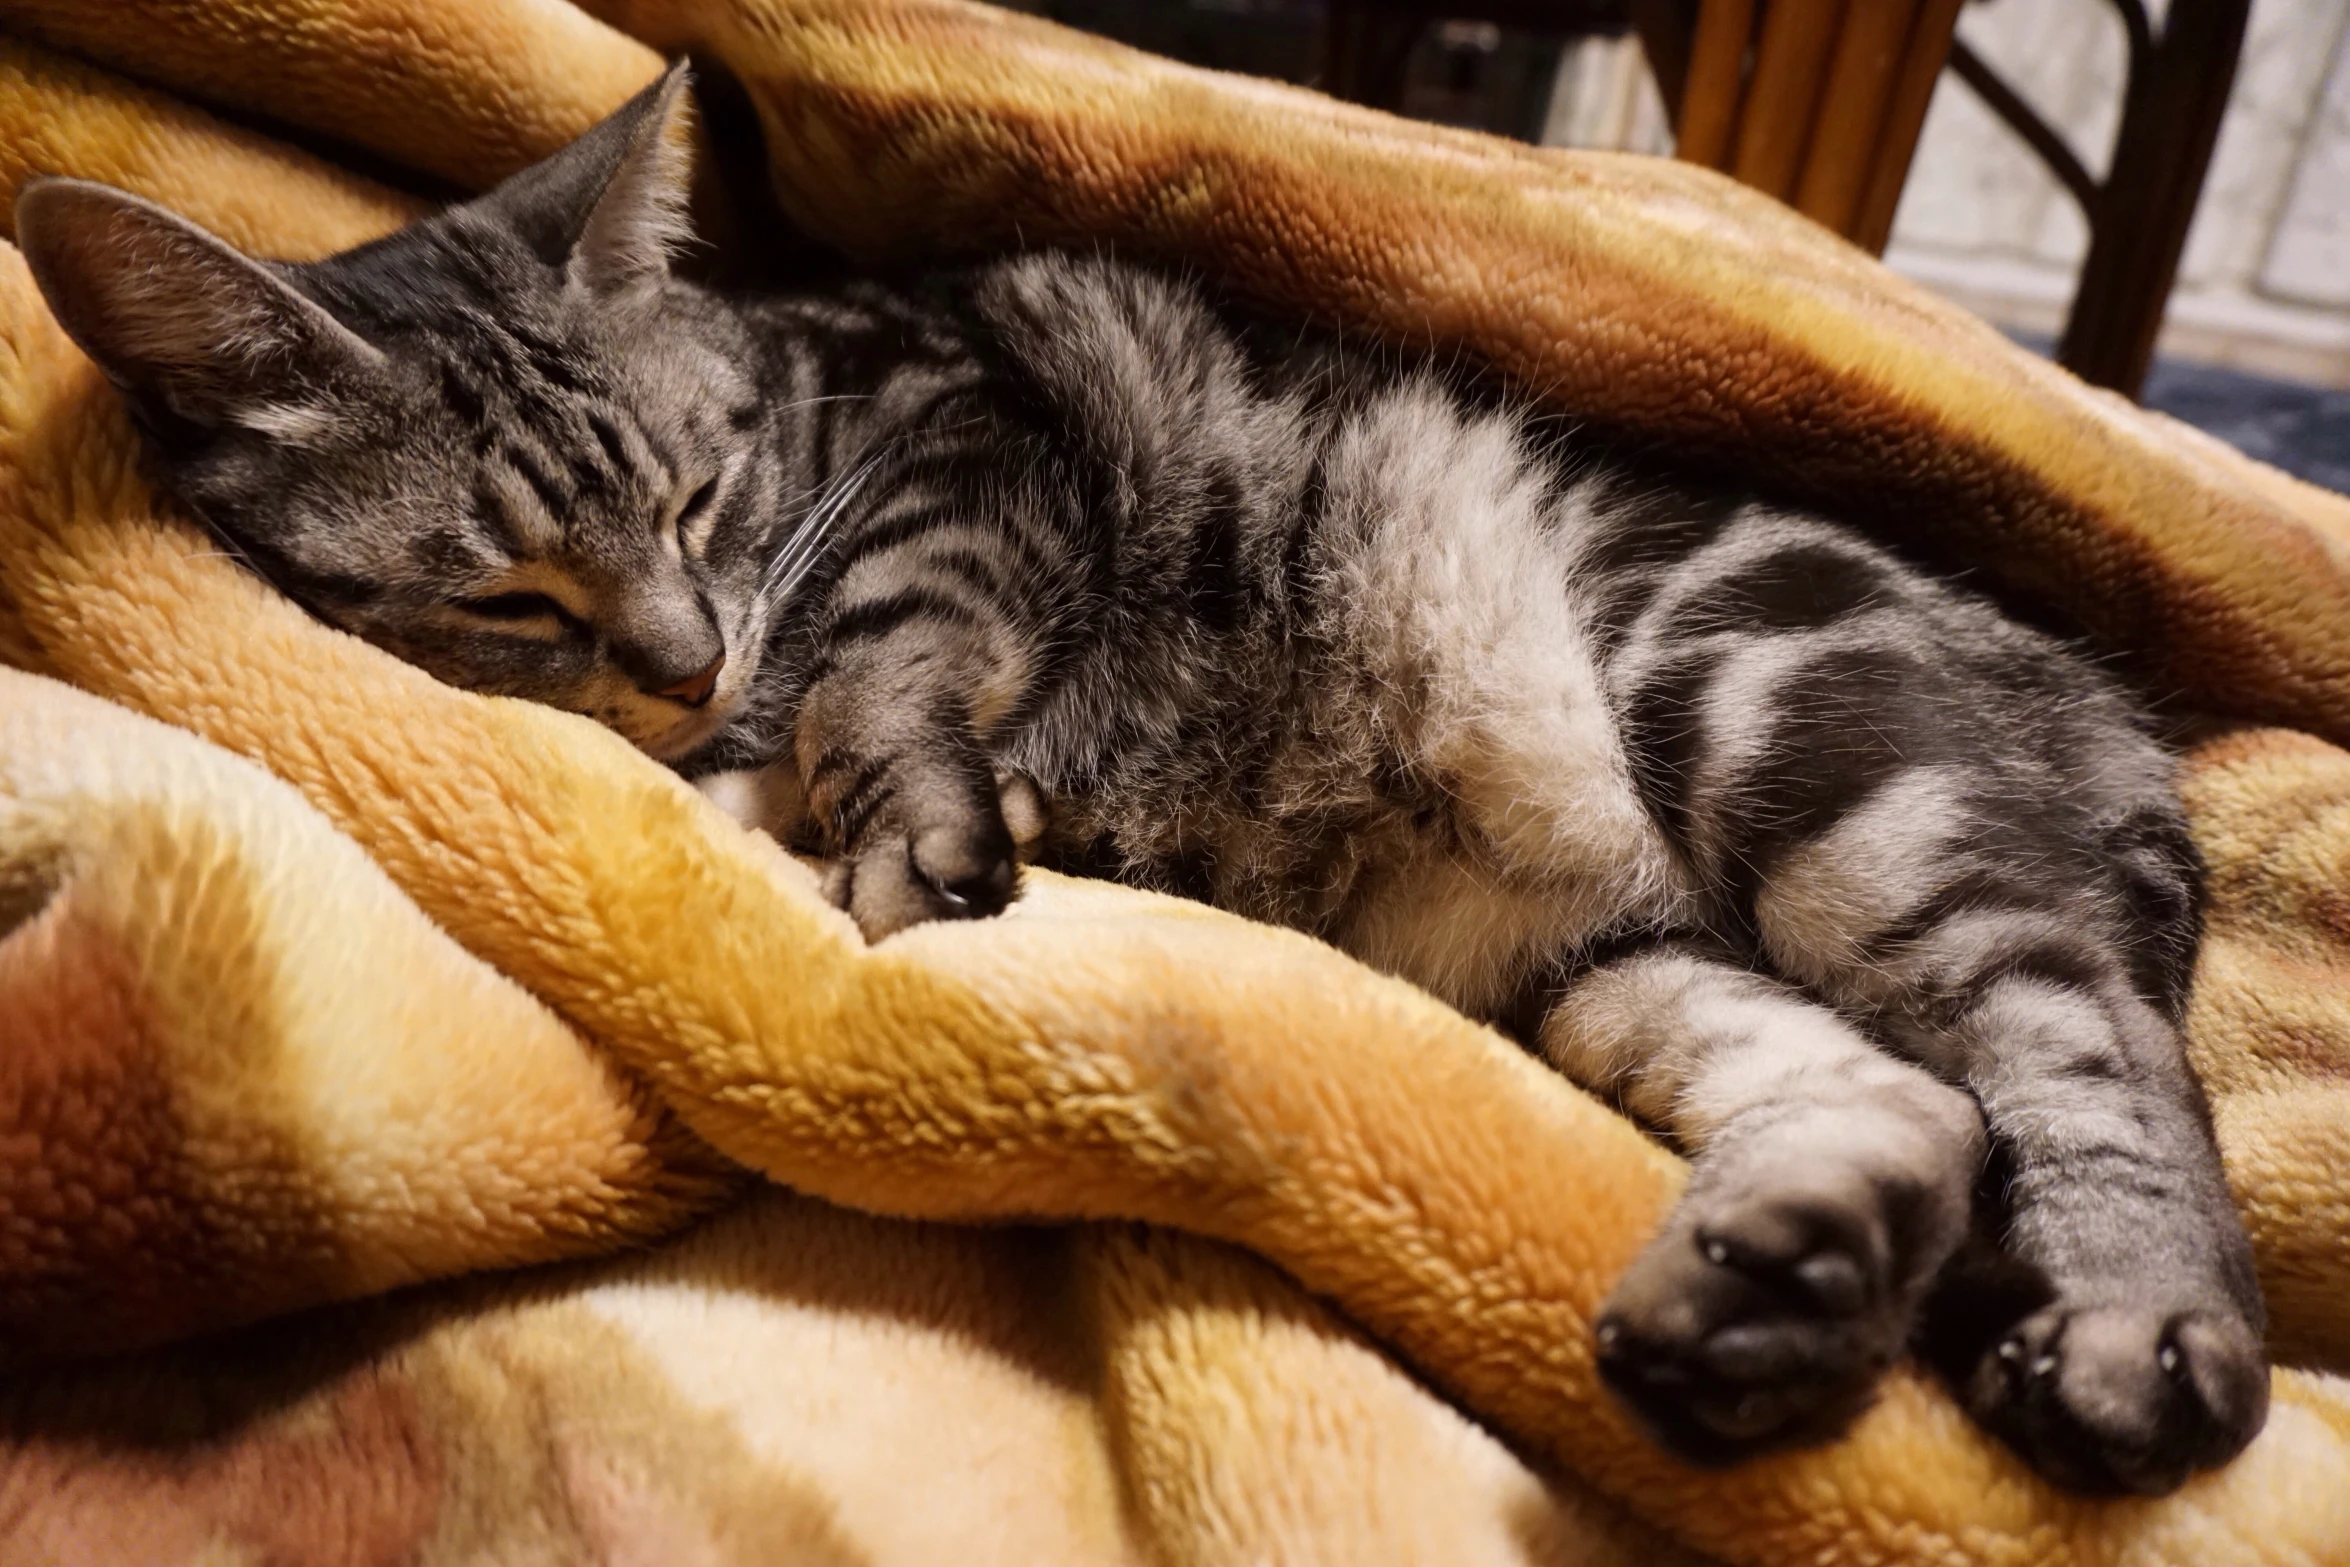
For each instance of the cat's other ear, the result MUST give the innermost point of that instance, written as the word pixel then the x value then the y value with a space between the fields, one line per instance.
pixel 610 209
pixel 183 323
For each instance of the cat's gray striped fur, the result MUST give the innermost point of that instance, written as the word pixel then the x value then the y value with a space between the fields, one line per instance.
pixel 1852 886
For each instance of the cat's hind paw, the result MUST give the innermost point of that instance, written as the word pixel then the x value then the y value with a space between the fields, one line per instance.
pixel 1759 1322
pixel 2120 1398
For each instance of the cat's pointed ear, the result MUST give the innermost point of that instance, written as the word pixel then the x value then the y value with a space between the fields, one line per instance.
pixel 640 220
pixel 610 209
pixel 184 323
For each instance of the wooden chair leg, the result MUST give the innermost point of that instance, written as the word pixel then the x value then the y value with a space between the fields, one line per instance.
pixel 1872 107
pixel 2171 112
pixel 1783 93
pixel 1715 83
pixel 1935 23
pixel 1844 140
pixel 1810 100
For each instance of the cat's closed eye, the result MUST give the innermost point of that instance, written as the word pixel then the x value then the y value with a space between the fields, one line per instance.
pixel 515 607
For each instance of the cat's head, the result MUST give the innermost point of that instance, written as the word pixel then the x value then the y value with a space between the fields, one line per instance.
pixel 504 444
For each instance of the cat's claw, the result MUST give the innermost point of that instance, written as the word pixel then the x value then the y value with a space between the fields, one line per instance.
pixel 962 869
pixel 2122 1398
pixel 971 874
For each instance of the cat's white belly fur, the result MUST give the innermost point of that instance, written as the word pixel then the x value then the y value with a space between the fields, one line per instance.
pixel 1455 599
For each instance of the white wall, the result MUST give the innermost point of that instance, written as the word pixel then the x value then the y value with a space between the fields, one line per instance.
pixel 2265 283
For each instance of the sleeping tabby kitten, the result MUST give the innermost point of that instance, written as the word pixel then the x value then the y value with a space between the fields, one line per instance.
pixel 1826 870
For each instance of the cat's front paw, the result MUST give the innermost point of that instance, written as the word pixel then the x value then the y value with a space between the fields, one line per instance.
pixel 1762 1319
pixel 2123 1398
pixel 946 863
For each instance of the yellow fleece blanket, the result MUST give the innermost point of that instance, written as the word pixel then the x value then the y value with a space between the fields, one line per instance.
pixel 244 1067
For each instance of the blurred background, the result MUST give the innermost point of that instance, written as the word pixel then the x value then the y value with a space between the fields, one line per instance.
pixel 2155 191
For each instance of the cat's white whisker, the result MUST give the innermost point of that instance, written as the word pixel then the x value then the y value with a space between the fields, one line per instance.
pixel 802 550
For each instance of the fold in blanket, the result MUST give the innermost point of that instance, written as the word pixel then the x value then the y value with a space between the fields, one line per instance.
pixel 1103 1053
pixel 244 1074
pixel 798 1384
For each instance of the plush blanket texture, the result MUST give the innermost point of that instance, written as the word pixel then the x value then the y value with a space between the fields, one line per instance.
pixel 416 983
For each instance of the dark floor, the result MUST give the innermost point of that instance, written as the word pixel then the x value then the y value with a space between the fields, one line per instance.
pixel 2304 430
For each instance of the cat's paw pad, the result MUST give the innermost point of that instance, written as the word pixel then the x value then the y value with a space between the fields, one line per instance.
pixel 956 869
pixel 2123 1398
pixel 1756 1323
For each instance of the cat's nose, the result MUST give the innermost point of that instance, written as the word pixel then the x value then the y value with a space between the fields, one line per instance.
pixel 694 690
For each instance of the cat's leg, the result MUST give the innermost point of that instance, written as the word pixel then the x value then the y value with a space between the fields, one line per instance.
pixel 2128 1353
pixel 1831 1182
pixel 891 747
pixel 2119 1347
pixel 1933 820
